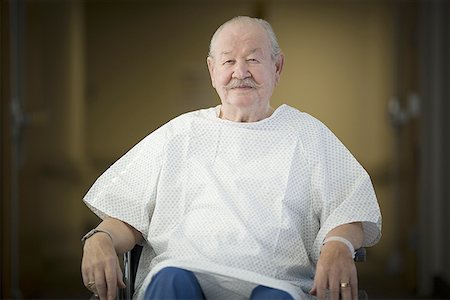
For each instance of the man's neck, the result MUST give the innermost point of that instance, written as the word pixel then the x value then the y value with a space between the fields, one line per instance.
pixel 245 115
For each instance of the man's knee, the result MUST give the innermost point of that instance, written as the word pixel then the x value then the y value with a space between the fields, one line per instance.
pixel 175 274
pixel 263 292
pixel 174 283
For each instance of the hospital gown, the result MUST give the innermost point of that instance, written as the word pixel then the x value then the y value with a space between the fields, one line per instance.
pixel 239 204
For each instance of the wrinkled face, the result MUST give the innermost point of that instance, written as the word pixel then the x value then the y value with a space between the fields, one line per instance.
pixel 241 67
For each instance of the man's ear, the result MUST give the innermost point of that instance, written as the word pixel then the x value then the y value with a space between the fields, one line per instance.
pixel 279 64
pixel 210 63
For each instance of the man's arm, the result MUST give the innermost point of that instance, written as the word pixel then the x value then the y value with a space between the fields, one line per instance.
pixel 336 265
pixel 100 263
pixel 124 236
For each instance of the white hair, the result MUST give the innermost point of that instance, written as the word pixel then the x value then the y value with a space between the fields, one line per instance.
pixel 275 48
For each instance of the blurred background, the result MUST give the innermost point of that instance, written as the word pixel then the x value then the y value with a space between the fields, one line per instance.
pixel 83 81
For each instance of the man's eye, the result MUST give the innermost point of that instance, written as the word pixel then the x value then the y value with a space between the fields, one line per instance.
pixel 228 62
pixel 252 60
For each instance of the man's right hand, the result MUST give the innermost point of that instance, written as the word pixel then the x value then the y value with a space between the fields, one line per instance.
pixel 100 266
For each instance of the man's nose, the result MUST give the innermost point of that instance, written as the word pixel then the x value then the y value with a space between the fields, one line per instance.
pixel 241 70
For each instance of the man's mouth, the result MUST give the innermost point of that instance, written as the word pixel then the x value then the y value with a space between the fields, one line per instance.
pixel 242 87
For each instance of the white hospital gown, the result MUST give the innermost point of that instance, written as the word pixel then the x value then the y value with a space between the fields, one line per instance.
pixel 239 204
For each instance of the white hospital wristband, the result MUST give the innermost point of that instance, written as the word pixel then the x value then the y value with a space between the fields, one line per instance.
pixel 342 240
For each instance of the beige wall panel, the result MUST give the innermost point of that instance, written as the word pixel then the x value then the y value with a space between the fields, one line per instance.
pixel 339 68
pixel 146 63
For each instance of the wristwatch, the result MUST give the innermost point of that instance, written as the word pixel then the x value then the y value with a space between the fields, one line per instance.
pixel 91 233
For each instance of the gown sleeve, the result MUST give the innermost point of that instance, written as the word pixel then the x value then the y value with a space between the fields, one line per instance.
pixel 127 189
pixel 343 191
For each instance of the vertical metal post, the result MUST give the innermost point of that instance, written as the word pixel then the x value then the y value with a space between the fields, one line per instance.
pixel 431 258
pixel 127 275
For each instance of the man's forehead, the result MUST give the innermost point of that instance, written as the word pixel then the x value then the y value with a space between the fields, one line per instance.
pixel 250 51
pixel 238 44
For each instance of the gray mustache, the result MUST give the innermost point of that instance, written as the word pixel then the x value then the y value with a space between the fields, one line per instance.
pixel 237 83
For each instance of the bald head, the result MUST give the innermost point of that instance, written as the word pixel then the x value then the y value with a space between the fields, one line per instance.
pixel 244 20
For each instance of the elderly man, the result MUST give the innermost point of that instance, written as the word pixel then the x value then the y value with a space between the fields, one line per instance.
pixel 238 201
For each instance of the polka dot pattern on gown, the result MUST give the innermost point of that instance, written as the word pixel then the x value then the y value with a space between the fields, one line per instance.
pixel 239 204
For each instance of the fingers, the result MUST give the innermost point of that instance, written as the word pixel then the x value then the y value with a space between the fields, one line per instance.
pixel 100 284
pixel 103 285
pixel 85 276
pixel 313 290
pixel 335 283
pixel 354 286
pixel 326 290
pixel 102 278
pixel 346 290
pixel 114 278
pixel 106 279
pixel 120 282
pixel 336 291
pixel 88 277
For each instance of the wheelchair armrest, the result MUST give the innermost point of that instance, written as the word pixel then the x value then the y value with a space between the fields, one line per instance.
pixel 360 255
pixel 130 266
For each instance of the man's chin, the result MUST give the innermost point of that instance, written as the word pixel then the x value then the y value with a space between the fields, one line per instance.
pixel 242 101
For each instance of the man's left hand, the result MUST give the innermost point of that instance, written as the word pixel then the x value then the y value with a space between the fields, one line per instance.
pixel 336 273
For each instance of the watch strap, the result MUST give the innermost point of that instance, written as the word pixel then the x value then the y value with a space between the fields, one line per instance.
pixel 92 232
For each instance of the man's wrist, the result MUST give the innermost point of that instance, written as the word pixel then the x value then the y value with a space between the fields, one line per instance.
pixel 91 233
pixel 349 245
